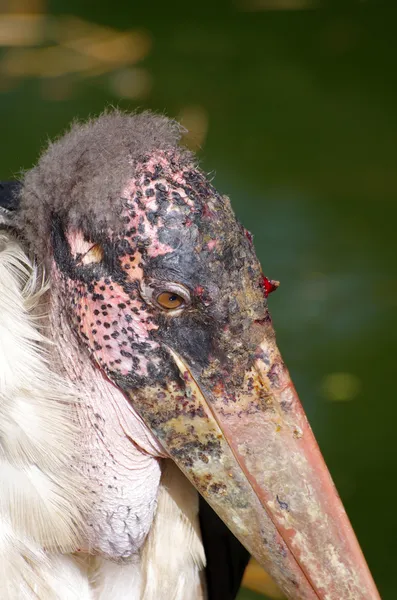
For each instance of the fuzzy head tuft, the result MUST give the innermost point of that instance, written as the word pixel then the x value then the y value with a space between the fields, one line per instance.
pixel 82 175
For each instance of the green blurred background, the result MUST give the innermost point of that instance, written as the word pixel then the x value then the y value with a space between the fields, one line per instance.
pixel 292 105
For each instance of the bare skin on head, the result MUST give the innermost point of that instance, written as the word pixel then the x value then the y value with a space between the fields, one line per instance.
pixel 158 308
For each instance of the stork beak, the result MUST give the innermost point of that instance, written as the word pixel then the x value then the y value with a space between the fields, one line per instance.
pixel 253 457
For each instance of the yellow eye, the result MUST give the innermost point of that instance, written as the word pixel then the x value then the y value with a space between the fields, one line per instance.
pixel 94 255
pixel 170 300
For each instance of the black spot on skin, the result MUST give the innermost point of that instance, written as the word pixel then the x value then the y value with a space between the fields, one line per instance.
pixel 283 505
pixel 191 451
pixel 217 488
pixel 153 217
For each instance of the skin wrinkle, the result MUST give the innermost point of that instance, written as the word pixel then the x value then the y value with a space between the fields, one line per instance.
pixel 121 515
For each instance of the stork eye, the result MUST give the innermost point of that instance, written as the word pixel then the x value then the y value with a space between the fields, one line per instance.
pixel 94 255
pixel 169 296
pixel 170 300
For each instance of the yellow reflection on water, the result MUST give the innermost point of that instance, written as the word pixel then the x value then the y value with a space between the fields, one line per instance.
pixel 341 387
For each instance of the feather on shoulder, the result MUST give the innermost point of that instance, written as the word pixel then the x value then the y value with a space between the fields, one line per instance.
pixel 41 497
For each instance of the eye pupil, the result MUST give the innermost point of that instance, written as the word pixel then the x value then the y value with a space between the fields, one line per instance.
pixel 169 300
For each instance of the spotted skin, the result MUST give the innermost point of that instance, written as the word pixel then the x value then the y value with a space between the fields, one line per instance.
pixel 177 229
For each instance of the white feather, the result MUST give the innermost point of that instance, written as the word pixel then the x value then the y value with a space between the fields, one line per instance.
pixel 173 557
pixel 111 580
pixel 41 496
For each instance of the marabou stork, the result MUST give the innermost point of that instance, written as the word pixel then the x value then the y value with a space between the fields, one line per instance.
pixel 138 365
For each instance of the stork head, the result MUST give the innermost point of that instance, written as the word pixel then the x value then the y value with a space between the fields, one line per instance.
pixel 162 289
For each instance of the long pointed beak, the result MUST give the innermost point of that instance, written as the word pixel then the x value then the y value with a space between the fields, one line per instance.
pixel 255 460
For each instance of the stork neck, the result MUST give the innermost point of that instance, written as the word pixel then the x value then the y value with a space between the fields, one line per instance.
pixel 118 454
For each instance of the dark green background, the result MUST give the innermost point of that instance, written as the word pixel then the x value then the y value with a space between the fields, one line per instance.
pixel 301 109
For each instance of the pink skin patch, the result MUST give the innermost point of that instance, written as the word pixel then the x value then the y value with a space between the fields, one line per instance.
pixel 109 319
pixel 212 244
pixel 140 221
pixel 132 263
pixel 110 330
pixel 136 213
